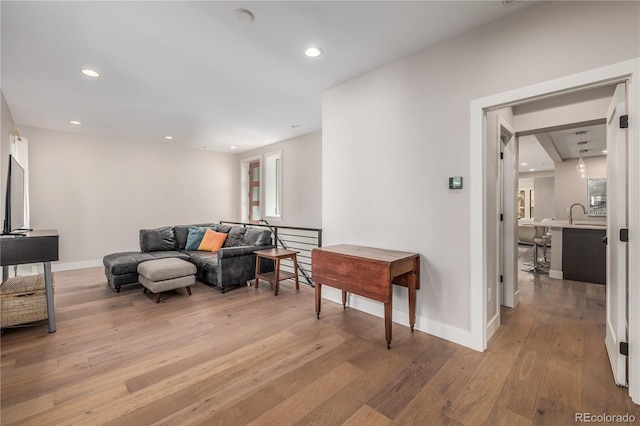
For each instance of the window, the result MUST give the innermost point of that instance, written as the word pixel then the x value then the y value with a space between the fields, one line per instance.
pixel 521 204
pixel 273 185
pixel 525 199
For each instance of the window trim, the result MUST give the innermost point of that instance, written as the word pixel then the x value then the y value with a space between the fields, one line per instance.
pixel 266 188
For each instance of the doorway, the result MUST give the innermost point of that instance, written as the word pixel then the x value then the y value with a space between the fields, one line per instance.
pixel 626 71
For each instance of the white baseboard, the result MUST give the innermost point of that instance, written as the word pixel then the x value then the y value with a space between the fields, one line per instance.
pixel 555 274
pixel 493 326
pixel 426 325
pixel 58 267
pixel 38 268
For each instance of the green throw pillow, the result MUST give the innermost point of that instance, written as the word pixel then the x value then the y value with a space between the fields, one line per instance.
pixel 194 238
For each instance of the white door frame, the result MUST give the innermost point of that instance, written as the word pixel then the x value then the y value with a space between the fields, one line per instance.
pixel 628 71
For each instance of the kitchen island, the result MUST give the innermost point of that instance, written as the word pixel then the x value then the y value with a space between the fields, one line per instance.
pixel 578 252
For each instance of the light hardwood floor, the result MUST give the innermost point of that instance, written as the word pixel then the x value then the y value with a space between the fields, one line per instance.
pixel 247 357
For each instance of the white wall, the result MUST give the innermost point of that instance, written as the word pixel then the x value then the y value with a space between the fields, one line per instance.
pixel 543 185
pixel 6 127
pixel 544 198
pixel 98 193
pixel 392 137
pixel 301 179
pixel 570 188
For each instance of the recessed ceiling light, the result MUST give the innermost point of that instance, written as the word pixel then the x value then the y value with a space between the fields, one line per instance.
pixel 604 151
pixel 90 73
pixel 232 147
pixel 532 170
pixel 77 123
pixel 243 15
pixel 523 164
pixel 313 52
pixel 168 137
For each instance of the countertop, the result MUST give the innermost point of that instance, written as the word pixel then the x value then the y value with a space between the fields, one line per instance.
pixel 577 224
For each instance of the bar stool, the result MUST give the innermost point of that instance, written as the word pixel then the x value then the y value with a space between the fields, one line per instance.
pixel 541 240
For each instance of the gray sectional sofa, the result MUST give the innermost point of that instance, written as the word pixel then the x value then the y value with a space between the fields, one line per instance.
pixel 233 264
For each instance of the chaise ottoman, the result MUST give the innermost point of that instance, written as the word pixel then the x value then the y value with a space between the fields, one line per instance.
pixel 166 274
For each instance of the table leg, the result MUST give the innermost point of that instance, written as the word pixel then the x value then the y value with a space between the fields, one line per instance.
pixel 257 269
pixel 387 321
pixel 318 298
pixel 277 283
pixel 413 278
pixel 295 271
pixel 344 299
pixel 48 285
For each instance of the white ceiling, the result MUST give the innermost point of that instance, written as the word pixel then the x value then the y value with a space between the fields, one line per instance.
pixel 534 158
pixel 193 71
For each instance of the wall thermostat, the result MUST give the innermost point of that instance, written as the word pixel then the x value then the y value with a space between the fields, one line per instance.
pixel 455 182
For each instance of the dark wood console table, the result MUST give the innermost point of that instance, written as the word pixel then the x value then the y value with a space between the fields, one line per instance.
pixel 367 272
pixel 32 247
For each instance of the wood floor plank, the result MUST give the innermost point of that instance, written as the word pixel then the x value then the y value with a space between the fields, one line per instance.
pixel 287 385
pixel 474 404
pixel 68 413
pixel 15 413
pixel 430 405
pixel 520 393
pixel 236 383
pixel 553 413
pixel 367 416
pixel 563 374
pixel 355 394
pixel 156 410
pixel 292 409
pixel 408 382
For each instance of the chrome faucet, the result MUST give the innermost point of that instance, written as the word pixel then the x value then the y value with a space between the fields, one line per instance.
pixel 584 210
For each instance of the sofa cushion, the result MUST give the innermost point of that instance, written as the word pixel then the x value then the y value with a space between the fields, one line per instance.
pixel 256 237
pixel 236 234
pixel 182 232
pixel 125 262
pixel 157 239
pixel 212 240
pixel 205 261
pixel 224 228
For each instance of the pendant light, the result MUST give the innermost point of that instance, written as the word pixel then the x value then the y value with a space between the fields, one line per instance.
pixel 581 168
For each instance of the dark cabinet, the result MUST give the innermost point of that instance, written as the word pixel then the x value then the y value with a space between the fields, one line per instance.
pixel 584 255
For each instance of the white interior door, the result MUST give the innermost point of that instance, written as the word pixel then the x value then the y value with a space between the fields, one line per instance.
pixel 508 260
pixel 617 280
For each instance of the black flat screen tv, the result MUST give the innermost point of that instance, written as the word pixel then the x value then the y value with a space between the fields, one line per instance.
pixel 15 203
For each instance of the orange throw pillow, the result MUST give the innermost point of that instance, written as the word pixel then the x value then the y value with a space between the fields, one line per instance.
pixel 212 240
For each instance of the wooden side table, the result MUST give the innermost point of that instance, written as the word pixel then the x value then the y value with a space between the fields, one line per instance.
pixel 277 254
